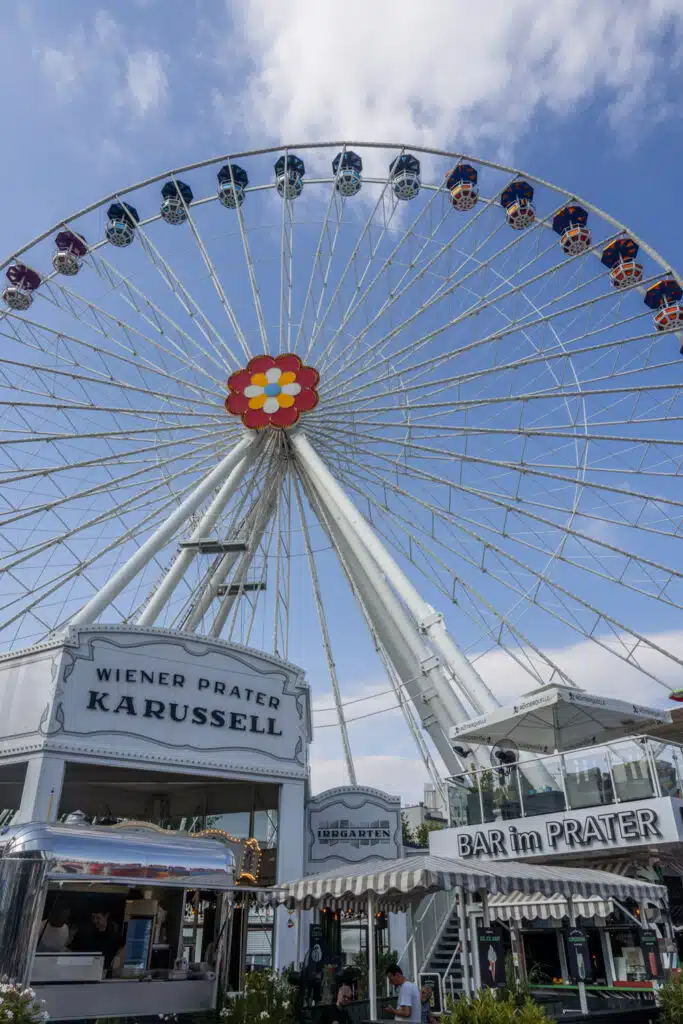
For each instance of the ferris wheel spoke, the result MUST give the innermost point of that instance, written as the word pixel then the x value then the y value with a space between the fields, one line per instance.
pixel 327 645
pixel 286 270
pixel 411 531
pixel 100 460
pixel 102 380
pixel 452 282
pixel 182 294
pixel 445 289
pixel 336 204
pixel 361 295
pixel 33 329
pixel 29 551
pixel 109 325
pixel 517 509
pixel 33 436
pixel 158 319
pixel 563 353
pixel 476 309
pixel 53 585
pixel 364 236
pixel 562 594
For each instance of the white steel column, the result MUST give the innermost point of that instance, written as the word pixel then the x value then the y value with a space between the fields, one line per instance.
pixel 372 955
pixel 219 574
pixel 291 826
pixel 415 665
pixel 430 622
pixel 91 611
pixel 265 511
pixel 186 556
pixel 418 667
pixel 42 790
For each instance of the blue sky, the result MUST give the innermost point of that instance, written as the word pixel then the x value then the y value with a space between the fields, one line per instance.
pixel 585 94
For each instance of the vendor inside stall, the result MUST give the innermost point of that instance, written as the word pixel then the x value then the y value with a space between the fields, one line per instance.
pixel 95 908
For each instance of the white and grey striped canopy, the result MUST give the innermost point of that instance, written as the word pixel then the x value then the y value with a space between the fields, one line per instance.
pixel 409 879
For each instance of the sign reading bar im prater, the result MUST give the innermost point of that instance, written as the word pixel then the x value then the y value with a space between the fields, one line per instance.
pixel 611 827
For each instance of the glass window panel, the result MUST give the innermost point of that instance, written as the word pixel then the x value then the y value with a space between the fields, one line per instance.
pixel 587 778
pixel 631 770
pixel 541 785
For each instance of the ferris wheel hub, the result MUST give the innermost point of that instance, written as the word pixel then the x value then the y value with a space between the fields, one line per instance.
pixel 272 391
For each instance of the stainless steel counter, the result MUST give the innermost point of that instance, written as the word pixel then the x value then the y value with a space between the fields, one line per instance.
pixel 117 998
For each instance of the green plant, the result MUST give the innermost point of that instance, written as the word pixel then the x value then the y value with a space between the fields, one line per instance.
pixel 19 1005
pixel 408 834
pixel 670 996
pixel 531 1012
pixel 422 832
pixel 483 781
pixel 491 1007
pixel 384 959
pixel 268 998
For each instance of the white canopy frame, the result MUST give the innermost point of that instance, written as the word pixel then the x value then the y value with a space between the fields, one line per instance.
pixel 392 884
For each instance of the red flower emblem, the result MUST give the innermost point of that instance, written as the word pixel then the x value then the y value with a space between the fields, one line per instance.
pixel 272 391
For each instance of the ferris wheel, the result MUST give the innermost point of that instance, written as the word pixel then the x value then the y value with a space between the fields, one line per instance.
pixel 239 394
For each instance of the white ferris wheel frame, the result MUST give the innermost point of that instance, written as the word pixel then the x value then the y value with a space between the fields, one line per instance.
pixel 407 630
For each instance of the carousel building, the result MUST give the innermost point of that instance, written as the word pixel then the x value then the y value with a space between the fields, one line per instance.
pixel 105 725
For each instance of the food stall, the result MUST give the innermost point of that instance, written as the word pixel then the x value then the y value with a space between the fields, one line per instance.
pixel 93 918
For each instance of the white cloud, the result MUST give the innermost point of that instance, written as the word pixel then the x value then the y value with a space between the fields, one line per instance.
pixel 98 57
pixel 375 739
pixel 401 776
pixel 146 81
pixel 445 71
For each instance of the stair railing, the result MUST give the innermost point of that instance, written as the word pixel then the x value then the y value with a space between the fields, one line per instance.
pixel 428 925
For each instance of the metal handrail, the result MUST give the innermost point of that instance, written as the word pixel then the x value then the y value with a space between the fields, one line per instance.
pixel 651 748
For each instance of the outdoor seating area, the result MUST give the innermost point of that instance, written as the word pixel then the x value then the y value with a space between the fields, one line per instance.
pixel 404 883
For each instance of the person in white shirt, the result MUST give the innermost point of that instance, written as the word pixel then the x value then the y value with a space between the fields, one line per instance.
pixel 408 1005
pixel 54 931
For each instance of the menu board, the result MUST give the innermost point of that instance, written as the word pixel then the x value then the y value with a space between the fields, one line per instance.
pixel 649 944
pixel 138 942
pixel 432 980
pixel 579 963
pixel 491 957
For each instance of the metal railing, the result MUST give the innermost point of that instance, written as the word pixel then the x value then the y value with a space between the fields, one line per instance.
pixel 429 922
pixel 634 768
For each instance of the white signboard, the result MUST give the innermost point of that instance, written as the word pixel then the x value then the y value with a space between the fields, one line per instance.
pixel 605 829
pixel 352 824
pixel 158 696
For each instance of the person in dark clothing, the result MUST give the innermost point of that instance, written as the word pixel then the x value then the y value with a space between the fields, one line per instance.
pixel 338 1014
pixel 101 937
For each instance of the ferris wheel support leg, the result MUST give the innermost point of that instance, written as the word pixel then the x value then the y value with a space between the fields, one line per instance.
pixel 430 622
pixel 220 573
pixel 185 557
pixel 418 670
pixel 267 507
pixel 91 611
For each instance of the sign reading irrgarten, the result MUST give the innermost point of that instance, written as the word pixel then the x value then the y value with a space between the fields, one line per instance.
pixel 344 831
pixel 605 829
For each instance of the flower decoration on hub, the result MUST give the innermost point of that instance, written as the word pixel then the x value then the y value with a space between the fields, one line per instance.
pixel 272 391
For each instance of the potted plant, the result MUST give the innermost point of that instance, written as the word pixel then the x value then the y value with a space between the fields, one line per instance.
pixel 267 999
pixel 486 1007
pixel 20 1006
pixel 670 996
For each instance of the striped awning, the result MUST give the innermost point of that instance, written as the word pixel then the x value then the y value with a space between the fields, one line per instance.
pixel 411 878
pixel 520 906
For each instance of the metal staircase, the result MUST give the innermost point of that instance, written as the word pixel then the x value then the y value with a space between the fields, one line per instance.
pixel 444 958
